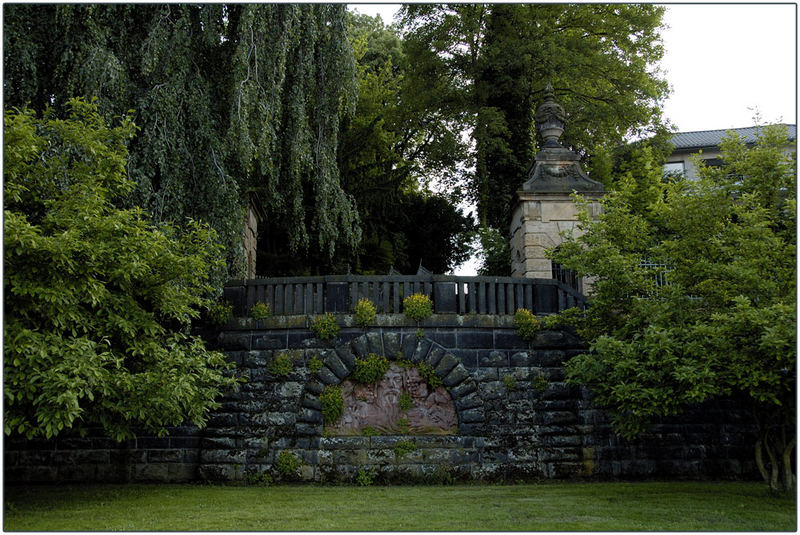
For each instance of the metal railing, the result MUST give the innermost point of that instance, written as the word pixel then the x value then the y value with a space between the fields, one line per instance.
pixel 450 294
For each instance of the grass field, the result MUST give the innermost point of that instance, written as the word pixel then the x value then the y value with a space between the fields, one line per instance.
pixel 645 506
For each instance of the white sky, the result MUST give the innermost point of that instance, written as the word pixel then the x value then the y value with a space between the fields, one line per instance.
pixel 722 61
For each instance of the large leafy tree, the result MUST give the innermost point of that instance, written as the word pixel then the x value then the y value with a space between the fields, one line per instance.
pixel 694 288
pixel 487 66
pixel 230 98
pixel 390 149
pixel 98 300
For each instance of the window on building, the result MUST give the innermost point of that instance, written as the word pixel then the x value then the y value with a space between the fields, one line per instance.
pixel 674 169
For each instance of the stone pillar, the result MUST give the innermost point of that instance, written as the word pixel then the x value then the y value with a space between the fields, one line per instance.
pixel 545 207
pixel 252 218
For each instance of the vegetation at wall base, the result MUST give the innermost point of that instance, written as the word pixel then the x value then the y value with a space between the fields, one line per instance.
pixel 552 506
pixel 99 300
pixel 724 323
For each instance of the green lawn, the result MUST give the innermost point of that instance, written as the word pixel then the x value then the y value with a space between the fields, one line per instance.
pixel 646 506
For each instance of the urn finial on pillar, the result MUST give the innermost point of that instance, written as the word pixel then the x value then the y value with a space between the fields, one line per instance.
pixel 550 118
pixel 545 207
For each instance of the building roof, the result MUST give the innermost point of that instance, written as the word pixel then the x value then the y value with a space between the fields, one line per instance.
pixel 712 138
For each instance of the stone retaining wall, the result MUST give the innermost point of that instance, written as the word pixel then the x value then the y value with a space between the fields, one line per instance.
pixel 518 419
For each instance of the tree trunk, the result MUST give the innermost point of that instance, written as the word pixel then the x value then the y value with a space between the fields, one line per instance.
pixel 788 476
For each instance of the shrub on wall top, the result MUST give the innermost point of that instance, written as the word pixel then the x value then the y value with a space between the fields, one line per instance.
pixel 417 306
pixel 364 313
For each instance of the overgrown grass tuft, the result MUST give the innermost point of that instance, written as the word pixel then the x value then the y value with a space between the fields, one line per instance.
pixel 557 506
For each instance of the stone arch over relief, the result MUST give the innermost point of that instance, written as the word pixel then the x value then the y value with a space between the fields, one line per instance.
pixel 339 363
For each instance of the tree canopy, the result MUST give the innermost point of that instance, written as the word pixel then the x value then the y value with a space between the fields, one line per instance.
pixel 694 289
pixel 486 67
pixel 98 299
pixel 230 98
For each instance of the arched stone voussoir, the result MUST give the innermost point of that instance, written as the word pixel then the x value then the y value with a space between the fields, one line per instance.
pixel 359 346
pixel 334 363
pixel 446 364
pixel 456 376
pixel 375 343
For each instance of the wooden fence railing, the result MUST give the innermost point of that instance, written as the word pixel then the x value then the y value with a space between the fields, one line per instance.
pixel 450 294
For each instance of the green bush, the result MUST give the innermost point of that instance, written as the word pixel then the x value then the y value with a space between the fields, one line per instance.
pixel 281 365
pixel 325 327
pixel 539 382
pixel 526 323
pixel 332 404
pixel 260 311
pixel 315 364
pixel 417 307
pixel 220 313
pixel 429 374
pixel 403 426
pixel 365 477
pixel 287 463
pixel 371 369
pixel 511 382
pixel 405 402
pixel 370 431
pixel 99 300
pixel 404 447
pixel 364 313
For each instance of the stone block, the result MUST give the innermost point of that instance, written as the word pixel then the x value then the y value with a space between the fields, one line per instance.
pixel 375 343
pixel 442 337
pixel 446 365
pixel 315 386
pixel 521 359
pixel 359 346
pixel 506 339
pixel 456 376
pixel 335 364
pixel 421 350
pixel 165 456
pixel 311 402
pixel 463 389
pixel 269 341
pixel 469 401
pixel 495 358
pixel 474 339
pixel 346 356
pixel 408 345
pixel 304 429
pixel 234 341
pixel 391 344
pixel 309 416
pixel 226 456
pixel 327 377
pixel 471 416
pixel 434 357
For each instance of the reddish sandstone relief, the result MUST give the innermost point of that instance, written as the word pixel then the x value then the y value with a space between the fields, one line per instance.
pixel 377 406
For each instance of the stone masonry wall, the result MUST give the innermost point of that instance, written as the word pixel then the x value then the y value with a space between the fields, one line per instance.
pixel 529 427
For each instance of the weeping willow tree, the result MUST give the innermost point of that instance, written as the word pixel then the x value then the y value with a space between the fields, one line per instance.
pixel 229 99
